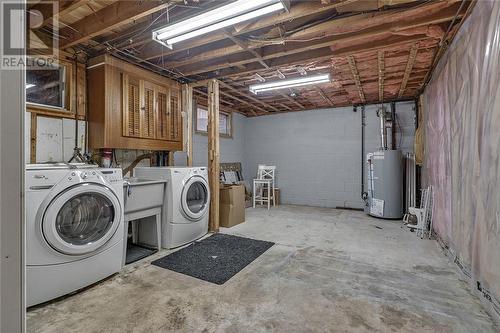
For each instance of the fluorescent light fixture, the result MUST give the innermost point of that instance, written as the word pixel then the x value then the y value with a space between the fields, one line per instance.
pixel 233 13
pixel 281 84
pixel 30 85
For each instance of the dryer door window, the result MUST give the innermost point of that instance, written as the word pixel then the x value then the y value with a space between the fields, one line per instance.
pixel 195 198
pixel 81 219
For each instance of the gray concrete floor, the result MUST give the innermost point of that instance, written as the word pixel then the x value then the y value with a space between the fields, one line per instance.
pixel 330 271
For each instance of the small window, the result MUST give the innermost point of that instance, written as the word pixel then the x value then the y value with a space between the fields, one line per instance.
pixel 46 86
pixel 224 122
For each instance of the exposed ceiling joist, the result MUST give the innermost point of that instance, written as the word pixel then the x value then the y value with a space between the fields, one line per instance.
pixel 355 75
pixel 409 66
pixel 323 95
pixel 234 90
pixel 107 19
pixel 381 74
pixel 49 13
pixel 320 54
pixel 155 50
pixel 387 46
pixel 277 51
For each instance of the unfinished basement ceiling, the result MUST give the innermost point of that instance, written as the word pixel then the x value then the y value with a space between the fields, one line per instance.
pixel 375 50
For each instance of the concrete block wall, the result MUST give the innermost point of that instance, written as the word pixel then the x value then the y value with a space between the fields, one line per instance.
pixel 318 153
pixel 231 149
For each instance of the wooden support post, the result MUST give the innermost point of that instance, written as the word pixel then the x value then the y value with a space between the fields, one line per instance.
pixel 170 158
pixel 187 109
pixel 33 137
pixel 213 153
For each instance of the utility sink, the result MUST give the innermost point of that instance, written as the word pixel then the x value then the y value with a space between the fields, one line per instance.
pixel 142 194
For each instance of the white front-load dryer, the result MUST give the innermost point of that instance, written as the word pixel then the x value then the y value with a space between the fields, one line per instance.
pixel 74 228
pixel 187 202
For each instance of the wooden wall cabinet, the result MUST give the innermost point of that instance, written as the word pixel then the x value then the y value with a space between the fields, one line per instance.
pixel 132 108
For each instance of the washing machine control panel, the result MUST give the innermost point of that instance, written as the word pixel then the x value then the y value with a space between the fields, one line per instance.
pixel 83 176
pixel 111 176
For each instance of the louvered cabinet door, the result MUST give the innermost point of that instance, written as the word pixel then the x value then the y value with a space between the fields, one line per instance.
pixel 175 115
pixel 131 107
pixel 148 111
pixel 162 113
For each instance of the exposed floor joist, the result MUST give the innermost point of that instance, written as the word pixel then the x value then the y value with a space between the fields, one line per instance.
pixel 355 75
pixel 108 18
pixel 393 44
pixel 381 74
pixel 409 67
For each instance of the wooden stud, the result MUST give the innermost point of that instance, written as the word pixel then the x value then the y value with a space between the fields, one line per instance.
pixel 187 102
pixel 33 130
pixel 381 75
pixel 409 67
pixel 213 153
pixel 355 74
pixel 170 158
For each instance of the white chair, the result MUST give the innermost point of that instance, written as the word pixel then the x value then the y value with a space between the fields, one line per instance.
pixel 423 214
pixel 264 181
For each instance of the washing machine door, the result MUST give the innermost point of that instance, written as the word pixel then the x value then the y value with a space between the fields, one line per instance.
pixel 81 219
pixel 195 198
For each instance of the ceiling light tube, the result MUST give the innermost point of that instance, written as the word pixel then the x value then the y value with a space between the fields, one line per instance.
pixel 30 85
pixel 226 23
pixel 302 81
pixel 218 18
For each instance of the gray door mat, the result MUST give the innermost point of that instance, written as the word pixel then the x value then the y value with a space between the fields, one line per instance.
pixel 214 259
pixel 137 252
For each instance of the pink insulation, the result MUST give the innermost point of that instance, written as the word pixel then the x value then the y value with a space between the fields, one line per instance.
pixel 462 158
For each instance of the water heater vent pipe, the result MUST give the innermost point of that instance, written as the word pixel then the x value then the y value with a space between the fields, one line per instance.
pixel 383 128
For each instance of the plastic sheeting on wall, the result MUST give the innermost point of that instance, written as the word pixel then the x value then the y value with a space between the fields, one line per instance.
pixel 462 162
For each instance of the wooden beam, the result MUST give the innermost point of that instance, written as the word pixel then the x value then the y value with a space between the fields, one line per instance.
pixel 256 100
pixel 261 61
pixel 293 101
pixel 201 92
pixel 321 54
pixel 245 47
pixel 51 13
pixel 213 153
pixel 381 74
pixel 253 106
pixel 409 66
pixel 107 19
pixel 355 74
pixel 187 108
pixel 323 95
pixel 231 56
pixel 155 50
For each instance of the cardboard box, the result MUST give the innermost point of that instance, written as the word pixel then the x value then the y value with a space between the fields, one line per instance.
pixel 231 205
pixel 277 193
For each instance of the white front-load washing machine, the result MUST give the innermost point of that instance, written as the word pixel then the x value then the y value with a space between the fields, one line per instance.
pixel 74 228
pixel 187 202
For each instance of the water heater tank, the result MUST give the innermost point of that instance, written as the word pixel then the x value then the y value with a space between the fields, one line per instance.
pixel 385 184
